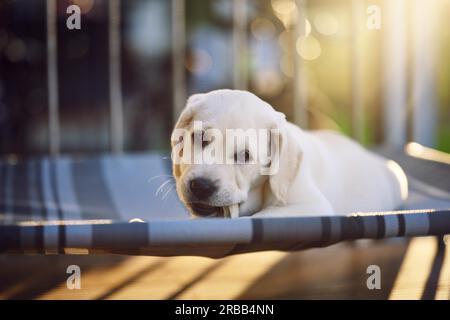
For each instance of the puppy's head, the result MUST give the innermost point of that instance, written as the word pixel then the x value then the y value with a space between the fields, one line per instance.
pixel 227 149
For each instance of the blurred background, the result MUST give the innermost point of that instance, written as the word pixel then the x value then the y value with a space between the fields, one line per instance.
pixel 376 70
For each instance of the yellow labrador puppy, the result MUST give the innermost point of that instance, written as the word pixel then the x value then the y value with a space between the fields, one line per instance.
pixel 234 155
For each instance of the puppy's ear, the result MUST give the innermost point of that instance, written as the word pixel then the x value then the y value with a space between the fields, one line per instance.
pixel 286 159
pixel 177 136
pixel 188 112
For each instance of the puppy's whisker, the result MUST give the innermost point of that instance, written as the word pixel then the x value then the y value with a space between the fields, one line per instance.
pixel 171 188
pixel 161 187
pixel 160 176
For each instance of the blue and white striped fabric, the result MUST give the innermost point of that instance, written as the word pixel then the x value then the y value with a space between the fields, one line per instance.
pixel 68 205
pixel 118 188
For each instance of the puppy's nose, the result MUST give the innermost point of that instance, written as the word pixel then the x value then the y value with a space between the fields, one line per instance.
pixel 202 188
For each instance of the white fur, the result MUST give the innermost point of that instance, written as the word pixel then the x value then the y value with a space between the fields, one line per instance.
pixel 320 172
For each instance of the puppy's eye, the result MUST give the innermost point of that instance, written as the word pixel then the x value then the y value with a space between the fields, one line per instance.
pixel 199 135
pixel 242 157
pixel 181 150
pixel 206 140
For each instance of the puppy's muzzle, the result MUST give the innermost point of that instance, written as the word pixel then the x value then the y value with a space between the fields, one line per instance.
pixel 202 188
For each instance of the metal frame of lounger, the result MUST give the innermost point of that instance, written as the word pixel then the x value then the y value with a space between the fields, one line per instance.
pixel 217 237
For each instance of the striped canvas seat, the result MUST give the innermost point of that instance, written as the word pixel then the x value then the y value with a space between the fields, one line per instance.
pixel 116 188
pixel 128 204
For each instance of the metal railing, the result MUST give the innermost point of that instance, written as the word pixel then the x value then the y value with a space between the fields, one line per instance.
pixel 52 79
pixel 397 122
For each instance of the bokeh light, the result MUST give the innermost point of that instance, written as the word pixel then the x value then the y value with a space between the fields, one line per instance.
pixel 307 27
pixel 286 37
pixel 326 23
pixel 85 5
pixel 15 50
pixel 283 7
pixel 268 82
pixel 262 29
pixel 286 11
pixel 308 48
pixel 199 61
pixel 285 40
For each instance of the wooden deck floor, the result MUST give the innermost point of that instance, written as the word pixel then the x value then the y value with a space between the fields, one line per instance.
pixel 409 270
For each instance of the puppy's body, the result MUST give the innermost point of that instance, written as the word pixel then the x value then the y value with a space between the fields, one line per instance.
pixel 348 176
pixel 320 172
